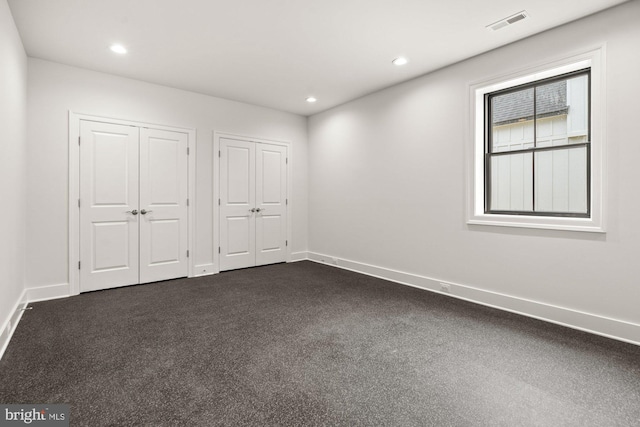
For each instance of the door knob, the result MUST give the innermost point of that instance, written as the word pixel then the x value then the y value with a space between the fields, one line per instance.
pixel 261 209
pixel 144 211
pixel 252 210
pixel 135 212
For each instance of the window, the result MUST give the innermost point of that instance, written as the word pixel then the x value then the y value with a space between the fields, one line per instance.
pixel 538 148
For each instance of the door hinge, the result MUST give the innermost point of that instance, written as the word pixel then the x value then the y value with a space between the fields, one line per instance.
pixel 78 202
pixel 187 202
pixel 187 253
pixel 78 140
pixel 78 265
pixel 187 151
pixel 218 202
pixel 218 249
pixel 287 202
pixel 219 153
pixel 286 243
pixel 287 161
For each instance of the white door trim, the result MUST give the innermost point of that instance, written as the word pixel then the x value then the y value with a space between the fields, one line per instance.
pixel 216 188
pixel 74 188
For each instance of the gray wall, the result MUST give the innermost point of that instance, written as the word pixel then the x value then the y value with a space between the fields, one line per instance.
pixel 13 107
pixel 55 89
pixel 388 171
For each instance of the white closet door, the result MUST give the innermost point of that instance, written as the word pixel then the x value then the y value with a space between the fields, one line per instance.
pixel 109 202
pixel 163 205
pixel 271 203
pixel 237 204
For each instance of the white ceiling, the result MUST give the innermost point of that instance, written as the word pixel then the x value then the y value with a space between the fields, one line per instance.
pixel 275 53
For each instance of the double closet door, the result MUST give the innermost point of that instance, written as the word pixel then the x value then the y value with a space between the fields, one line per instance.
pixel 253 203
pixel 133 205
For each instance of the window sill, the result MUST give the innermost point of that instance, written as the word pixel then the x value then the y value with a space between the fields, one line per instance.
pixel 587 225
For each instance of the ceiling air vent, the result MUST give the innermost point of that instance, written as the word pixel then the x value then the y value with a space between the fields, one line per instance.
pixel 508 21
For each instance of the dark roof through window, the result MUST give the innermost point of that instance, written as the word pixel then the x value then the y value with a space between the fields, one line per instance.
pixel 551 100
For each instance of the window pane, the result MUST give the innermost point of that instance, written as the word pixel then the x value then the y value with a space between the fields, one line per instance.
pixel 578 102
pixel 562 112
pixel 512 182
pixel 512 121
pixel 561 180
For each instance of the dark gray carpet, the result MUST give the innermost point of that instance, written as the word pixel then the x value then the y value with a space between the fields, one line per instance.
pixel 308 344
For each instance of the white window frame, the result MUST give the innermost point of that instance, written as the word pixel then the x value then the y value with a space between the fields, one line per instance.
pixel 594 60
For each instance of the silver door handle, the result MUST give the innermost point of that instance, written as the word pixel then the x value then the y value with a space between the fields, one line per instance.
pixel 144 211
pixel 252 210
pixel 133 212
pixel 261 209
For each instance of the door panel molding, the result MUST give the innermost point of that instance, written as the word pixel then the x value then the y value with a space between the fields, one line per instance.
pixel 286 181
pixel 75 120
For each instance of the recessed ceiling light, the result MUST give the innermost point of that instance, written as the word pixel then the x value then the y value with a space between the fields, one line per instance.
pixel 400 61
pixel 311 99
pixel 118 48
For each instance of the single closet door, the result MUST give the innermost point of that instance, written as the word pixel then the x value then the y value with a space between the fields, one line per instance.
pixel 271 203
pixel 237 204
pixel 108 205
pixel 163 205
pixel 253 203
pixel 133 205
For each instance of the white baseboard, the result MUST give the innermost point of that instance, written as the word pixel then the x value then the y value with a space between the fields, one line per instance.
pixel 203 270
pixel 587 322
pixel 10 325
pixel 44 293
pixel 299 256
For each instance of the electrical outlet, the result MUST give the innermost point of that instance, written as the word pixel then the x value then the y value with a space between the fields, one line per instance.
pixel 445 287
pixel 203 270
